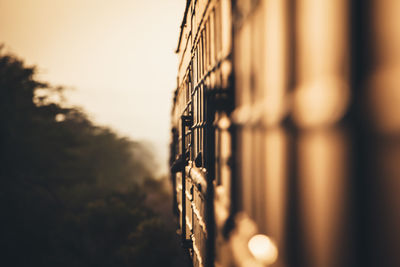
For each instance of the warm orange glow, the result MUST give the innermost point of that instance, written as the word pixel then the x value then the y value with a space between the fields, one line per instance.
pixel 275 168
pixel 118 55
pixel 275 52
pixel 322 94
pixel 323 175
pixel 263 249
pixel 321 102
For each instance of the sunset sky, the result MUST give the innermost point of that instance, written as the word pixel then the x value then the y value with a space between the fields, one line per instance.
pixel 116 56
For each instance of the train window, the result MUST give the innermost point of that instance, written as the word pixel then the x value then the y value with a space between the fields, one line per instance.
pixel 198 118
pixel 196 59
pixel 208 45
pixel 205 50
pixel 195 120
pixel 192 76
pixel 180 139
pixel 217 26
pixel 196 108
pixel 201 55
pixel 187 89
pixel 200 59
pixel 192 27
pixel 197 63
pixel 204 37
pixel 212 36
pixel 198 104
pixel 202 118
pixel 202 103
pixel 190 82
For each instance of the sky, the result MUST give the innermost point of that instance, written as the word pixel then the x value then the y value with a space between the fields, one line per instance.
pixel 115 57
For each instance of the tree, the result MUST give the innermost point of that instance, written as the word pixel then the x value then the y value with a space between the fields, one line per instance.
pixel 72 193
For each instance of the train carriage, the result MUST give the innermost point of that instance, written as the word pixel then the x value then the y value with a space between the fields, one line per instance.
pixel 204 69
pixel 285 133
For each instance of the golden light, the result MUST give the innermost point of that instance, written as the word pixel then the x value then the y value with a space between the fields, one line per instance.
pixel 322 93
pixel 320 102
pixel 60 117
pixel 109 52
pixel 263 249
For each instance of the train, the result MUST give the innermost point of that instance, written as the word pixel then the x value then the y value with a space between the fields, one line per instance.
pixel 285 133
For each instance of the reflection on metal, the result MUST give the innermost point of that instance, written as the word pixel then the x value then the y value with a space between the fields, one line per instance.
pixel 273 195
pixel 198 178
pixel 295 133
pixel 322 93
pixel 248 248
pixel 320 102
pixel 323 190
pixel 263 249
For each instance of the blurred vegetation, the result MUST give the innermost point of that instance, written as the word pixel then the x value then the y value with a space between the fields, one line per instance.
pixel 72 193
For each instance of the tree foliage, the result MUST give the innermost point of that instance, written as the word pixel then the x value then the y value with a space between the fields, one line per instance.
pixel 72 193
